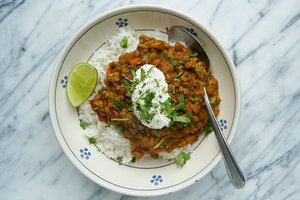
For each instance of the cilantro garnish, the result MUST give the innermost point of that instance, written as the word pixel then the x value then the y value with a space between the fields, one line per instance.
pixel 157 83
pixel 110 124
pixel 92 140
pixel 182 62
pixel 83 124
pixel 141 127
pixel 212 100
pixel 193 54
pixel 124 42
pixel 125 84
pixel 195 99
pixel 120 119
pixel 208 129
pixel 174 62
pixel 133 73
pixel 182 157
pixel 119 160
pixel 182 119
pixel 118 103
pixel 159 143
pixel 179 74
pixel 143 75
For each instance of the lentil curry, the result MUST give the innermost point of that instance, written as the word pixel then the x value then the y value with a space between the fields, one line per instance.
pixel 186 73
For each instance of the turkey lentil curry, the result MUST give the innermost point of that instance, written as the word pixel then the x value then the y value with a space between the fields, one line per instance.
pixel 186 73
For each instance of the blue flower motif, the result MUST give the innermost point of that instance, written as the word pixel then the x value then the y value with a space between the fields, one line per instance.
pixel 64 82
pixel 223 124
pixel 84 153
pixel 192 31
pixel 156 179
pixel 122 22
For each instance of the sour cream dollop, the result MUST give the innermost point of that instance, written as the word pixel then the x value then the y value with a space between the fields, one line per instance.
pixel 149 95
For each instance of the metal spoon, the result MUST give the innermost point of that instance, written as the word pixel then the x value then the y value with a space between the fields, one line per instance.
pixel 178 33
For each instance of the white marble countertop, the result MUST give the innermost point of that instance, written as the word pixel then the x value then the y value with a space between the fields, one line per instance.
pixel 262 37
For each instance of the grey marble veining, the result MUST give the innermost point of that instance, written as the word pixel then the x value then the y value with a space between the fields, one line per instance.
pixel 262 37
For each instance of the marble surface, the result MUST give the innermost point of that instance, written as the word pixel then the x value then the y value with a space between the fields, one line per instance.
pixel 262 37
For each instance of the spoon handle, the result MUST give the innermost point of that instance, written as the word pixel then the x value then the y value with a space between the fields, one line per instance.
pixel 233 170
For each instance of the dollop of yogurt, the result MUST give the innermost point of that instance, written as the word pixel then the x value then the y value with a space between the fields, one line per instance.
pixel 149 95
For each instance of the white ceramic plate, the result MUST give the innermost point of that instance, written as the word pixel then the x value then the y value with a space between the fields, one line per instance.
pixel 151 176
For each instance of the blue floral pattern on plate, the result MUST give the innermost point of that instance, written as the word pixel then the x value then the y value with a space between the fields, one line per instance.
pixel 122 22
pixel 64 82
pixel 84 153
pixel 223 124
pixel 156 179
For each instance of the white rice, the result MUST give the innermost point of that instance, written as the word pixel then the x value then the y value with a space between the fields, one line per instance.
pixel 109 140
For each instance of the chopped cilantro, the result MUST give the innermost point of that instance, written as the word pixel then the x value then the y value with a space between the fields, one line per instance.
pixel 119 160
pixel 118 103
pixel 83 124
pixel 133 73
pixel 125 84
pixel 144 108
pixel 189 114
pixel 143 75
pixel 181 98
pixel 92 140
pixel 157 83
pixel 208 129
pixel 181 158
pixel 193 54
pixel 149 53
pixel 120 119
pixel 212 100
pixel 124 42
pixel 182 62
pixel 141 127
pixel 182 119
pixel 173 62
pixel 128 94
pixel 149 97
pixel 177 79
pixel 159 143
pixel 179 74
pixel 110 124
pixel 195 99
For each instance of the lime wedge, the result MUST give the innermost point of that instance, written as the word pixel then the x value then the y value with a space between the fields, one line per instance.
pixel 82 81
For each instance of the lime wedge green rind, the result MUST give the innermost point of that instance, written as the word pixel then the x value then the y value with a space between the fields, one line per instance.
pixel 81 84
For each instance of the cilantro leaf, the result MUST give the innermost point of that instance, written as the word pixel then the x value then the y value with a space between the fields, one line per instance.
pixel 83 124
pixel 92 140
pixel 181 98
pixel 143 75
pixel 118 103
pixel 133 73
pixel 182 62
pixel 182 157
pixel 119 160
pixel 193 54
pixel 195 99
pixel 124 42
pixel 182 119
pixel 174 62
pixel 212 100
pixel 159 143
pixel 208 129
